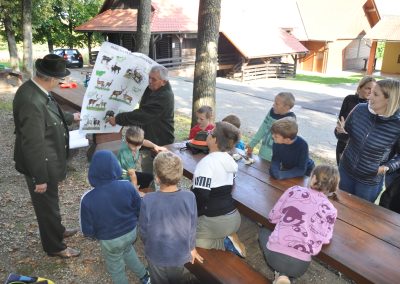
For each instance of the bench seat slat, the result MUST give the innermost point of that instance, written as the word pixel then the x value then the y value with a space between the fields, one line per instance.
pixel 225 268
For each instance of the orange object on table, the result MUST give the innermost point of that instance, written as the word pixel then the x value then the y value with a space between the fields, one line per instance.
pixel 72 85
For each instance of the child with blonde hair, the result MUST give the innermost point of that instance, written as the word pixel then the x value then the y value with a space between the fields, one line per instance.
pixel 167 223
pixel 304 219
pixel 283 103
pixel 128 157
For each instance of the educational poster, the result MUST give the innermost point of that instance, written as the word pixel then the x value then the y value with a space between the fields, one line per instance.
pixel 119 79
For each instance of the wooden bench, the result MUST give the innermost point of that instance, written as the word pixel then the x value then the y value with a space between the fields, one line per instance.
pixel 70 99
pixel 365 245
pixel 224 267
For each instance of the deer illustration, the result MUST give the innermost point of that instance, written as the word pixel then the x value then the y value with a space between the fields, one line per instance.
pixel 117 93
pixel 127 98
pixel 100 83
pixel 93 101
pixel 108 84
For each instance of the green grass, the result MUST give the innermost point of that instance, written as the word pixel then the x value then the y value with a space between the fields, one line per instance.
pixel 353 79
pixel 182 127
pixel 6 105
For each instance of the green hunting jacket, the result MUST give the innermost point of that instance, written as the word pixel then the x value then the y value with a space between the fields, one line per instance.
pixel 41 135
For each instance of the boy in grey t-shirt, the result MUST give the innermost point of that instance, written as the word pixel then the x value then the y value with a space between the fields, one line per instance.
pixel 167 222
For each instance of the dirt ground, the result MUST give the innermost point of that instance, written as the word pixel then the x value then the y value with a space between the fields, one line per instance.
pixel 20 246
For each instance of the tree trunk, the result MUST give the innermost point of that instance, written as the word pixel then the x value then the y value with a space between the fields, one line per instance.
pixel 143 27
pixel 205 71
pixel 50 43
pixel 27 31
pixel 12 45
pixel 89 42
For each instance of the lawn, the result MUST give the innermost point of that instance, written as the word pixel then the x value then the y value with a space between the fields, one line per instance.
pixel 352 79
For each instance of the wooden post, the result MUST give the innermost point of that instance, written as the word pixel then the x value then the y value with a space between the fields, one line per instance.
pixel 371 59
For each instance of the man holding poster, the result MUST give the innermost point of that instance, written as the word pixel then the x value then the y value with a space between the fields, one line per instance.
pixel 155 114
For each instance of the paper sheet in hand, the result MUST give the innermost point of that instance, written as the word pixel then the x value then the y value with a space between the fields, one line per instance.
pixel 77 139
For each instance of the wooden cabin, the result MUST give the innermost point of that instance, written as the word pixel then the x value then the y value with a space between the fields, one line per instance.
pixel 244 52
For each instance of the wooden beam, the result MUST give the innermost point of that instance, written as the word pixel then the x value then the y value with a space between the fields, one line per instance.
pixel 371 58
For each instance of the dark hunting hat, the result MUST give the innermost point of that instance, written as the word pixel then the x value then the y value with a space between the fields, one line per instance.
pixel 53 66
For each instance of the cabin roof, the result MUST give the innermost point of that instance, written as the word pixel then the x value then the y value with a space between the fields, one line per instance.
pixel 387 29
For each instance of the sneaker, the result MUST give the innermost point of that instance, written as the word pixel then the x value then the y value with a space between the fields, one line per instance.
pixel 146 278
pixel 281 279
pixel 239 246
pixel 230 247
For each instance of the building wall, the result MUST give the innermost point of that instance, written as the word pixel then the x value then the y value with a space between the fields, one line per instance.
pixel 335 56
pixel 313 61
pixel 354 55
pixel 391 58
pixel 189 47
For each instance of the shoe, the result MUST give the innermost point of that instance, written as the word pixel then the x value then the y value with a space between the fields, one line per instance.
pixel 69 233
pixel 146 278
pixel 239 246
pixel 67 253
pixel 281 279
pixel 230 247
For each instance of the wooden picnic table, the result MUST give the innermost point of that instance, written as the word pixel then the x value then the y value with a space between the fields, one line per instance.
pixel 366 240
pixel 71 99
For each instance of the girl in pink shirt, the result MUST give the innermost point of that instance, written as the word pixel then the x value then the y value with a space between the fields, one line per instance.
pixel 304 219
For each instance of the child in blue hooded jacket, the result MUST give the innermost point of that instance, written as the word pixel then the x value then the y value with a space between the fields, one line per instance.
pixel 109 213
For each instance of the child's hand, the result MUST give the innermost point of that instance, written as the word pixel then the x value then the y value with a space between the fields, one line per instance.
pixel 133 177
pixel 196 255
pixel 249 150
pixel 160 149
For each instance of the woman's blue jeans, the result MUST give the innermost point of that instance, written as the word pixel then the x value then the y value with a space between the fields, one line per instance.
pixel 119 252
pixel 364 191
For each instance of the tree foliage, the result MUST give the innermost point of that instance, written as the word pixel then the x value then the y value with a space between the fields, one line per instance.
pixel 53 21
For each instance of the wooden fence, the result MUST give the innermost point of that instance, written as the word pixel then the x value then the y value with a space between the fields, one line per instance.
pixel 224 61
pixel 267 70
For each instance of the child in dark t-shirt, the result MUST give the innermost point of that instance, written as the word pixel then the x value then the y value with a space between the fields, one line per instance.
pixel 290 157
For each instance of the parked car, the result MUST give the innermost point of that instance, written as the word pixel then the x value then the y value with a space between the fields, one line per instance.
pixel 72 56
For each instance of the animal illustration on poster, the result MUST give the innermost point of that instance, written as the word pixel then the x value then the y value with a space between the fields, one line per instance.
pixel 119 79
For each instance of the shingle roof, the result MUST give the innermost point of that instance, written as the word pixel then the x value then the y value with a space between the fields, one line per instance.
pixel 387 29
pixel 125 20
pixel 326 20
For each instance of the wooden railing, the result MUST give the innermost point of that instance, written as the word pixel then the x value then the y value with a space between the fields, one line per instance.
pixel 181 62
pixel 268 70
pixel 176 62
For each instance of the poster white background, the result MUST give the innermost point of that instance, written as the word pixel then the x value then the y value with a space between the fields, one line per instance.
pixel 118 81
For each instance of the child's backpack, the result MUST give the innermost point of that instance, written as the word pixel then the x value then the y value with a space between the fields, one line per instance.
pixel 21 279
pixel 198 144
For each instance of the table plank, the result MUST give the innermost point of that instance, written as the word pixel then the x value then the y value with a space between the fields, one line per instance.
pixel 72 97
